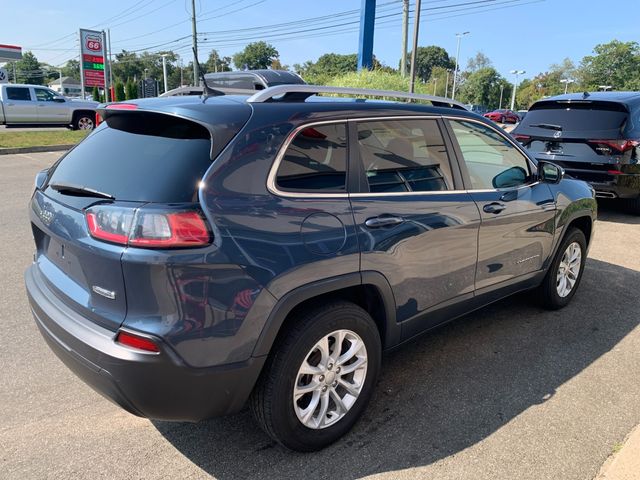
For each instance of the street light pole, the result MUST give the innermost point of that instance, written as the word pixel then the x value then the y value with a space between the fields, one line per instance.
pixel 435 85
pixel 515 86
pixel 566 82
pixel 501 90
pixel 446 85
pixel 455 72
pixel 164 70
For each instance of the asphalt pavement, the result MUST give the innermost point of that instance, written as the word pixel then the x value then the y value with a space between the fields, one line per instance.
pixel 509 392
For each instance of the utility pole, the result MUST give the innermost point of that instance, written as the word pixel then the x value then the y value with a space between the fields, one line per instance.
pixel 515 86
pixel 196 67
pixel 164 70
pixel 414 51
pixel 181 76
pixel 435 85
pixel 104 64
pixel 455 72
pixel 110 71
pixel 405 36
pixel 446 87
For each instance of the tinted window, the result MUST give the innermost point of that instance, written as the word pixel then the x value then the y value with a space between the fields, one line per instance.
pixel 404 156
pixel 140 157
pixel 492 161
pixel 18 93
pixel 43 95
pixel 578 120
pixel 316 160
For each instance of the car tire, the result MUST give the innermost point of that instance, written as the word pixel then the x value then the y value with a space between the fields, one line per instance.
pixel 556 290
pixel 296 419
pixel 83 121
pixel 633 205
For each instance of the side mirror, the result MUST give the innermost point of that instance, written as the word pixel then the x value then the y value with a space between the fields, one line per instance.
pixel 512 177
pixel 41 177
pixel 549 172
pixel 59 99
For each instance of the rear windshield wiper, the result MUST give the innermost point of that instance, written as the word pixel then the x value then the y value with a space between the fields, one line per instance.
pixel 548 126
pixel 79 190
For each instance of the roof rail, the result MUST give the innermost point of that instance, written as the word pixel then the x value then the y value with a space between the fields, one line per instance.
pixel 298 93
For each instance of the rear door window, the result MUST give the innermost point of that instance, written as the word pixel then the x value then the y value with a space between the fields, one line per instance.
pixel 142 157
pixel 315 161
pixel 404 156
pixel 18 93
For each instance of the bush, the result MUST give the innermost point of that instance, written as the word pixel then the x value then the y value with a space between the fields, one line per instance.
pixel 378 80
pixel 96 94
pixel 120 94
pixel 131 90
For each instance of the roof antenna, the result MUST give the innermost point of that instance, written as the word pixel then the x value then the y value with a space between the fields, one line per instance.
pixel 207 91
pixel 585 94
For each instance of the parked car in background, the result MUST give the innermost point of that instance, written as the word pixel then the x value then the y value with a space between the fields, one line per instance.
pixel 503 116
pixel 594 136
pixel 268 249
pixel 253 79
pixel 479 109
pixel 37 105
pixel 522 114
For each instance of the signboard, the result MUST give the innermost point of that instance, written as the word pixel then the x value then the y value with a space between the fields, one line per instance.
pixel 92 58
pixel 10 52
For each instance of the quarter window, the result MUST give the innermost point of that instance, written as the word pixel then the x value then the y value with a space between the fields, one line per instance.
pixel 404 156
pixel 315 161
pixel 491 160
pixel 18 93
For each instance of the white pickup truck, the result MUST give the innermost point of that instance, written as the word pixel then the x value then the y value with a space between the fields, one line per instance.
pixel 38 105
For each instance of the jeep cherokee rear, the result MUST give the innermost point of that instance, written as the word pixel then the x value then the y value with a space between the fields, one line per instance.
pixel 196 254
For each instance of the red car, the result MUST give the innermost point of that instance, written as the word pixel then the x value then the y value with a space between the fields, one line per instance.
pixel 503 116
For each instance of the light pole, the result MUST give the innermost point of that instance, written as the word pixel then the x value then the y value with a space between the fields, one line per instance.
pixel 455 72
pixel 566 82
pixel 446 85
pixel 435 85
pixel 515 86
pixel 164 70
pixel 501 90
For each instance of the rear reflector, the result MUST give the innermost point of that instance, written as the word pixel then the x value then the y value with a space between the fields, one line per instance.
pixel 147 227
pixel 521 138
pixel 134 341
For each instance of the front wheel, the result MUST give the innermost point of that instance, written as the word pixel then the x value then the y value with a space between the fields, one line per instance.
pixel 320 377
pixel 564 275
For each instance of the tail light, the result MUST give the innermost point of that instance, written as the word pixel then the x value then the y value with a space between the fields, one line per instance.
pixel 147 227
pixel 98 119
pixel 608 146
pixel 137 342
pixel 522 138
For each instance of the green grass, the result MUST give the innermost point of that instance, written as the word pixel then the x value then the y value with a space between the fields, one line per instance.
pixel 9 139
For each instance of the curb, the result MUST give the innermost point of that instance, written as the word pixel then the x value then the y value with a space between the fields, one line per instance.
pixel 48 148
pixel 624 464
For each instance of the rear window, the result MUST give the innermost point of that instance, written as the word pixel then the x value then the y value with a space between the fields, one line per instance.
pixel 143 157
pixel 18 93
pixel 590 119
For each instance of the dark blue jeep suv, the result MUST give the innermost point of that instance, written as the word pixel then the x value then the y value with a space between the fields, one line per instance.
pixel 197 254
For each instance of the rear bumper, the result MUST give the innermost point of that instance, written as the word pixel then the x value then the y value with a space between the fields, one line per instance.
pixel 158 386
pixel 609 186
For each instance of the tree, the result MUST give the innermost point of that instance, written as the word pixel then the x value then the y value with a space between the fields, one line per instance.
pixel 429 57
pixel 131 90
pixel 216 63
pixel 480 60
pixel 95 93
pixel 28 69
pixel 120 93
pixel 72 69
pixel 482 87
pixel 615 63
pixel 255 56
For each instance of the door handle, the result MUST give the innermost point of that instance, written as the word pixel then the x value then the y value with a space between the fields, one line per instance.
pixel 10 104
pixel 383 221
pixel 494 207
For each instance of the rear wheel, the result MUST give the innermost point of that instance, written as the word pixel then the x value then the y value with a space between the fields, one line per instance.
pixel 319 378
pixel 564 275
pixel 84 121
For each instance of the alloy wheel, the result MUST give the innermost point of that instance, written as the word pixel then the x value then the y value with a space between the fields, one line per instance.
pixel 569 269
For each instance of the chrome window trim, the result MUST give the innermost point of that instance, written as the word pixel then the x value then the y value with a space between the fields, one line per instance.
pixel 271 178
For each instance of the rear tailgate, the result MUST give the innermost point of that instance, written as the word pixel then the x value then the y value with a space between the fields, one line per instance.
pixel 563 132
pixel 137 158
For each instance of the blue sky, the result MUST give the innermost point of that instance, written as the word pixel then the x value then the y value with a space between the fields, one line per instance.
pixel 523 34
